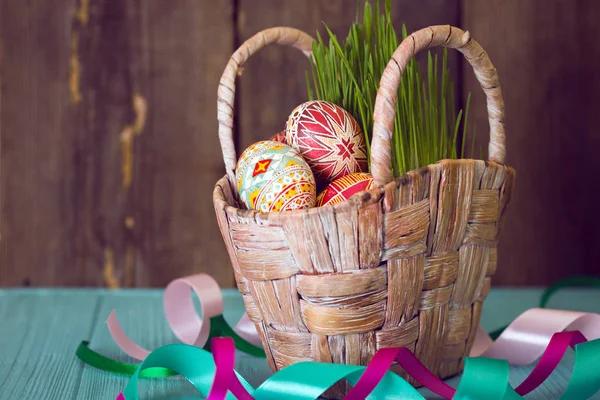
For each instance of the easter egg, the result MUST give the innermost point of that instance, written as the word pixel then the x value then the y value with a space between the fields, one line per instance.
pixel 345 187
pixel 279 137
pixel 329 139
pixel 272 176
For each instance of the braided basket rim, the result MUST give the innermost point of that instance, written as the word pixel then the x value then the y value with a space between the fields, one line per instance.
pixel 364 197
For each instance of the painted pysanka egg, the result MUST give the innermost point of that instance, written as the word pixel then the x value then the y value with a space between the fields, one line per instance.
pixel 345 187
pixel 329 139
pixel 279 137
pixel 272 176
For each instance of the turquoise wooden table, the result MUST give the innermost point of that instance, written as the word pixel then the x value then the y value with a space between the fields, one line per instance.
pixel 40 330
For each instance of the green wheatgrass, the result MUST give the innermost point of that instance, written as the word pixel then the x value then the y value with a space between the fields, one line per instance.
pixel 426 127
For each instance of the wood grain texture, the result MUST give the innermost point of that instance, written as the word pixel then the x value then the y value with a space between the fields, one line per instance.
pixel 178 165
pixel 108 146
pixel 37 356
pixel 546 57
pixel 92 193
pixel 47 325
pixel 37 148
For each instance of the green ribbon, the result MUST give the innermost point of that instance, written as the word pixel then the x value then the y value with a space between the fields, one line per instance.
pixel 96 360
pixel 308 380
pixel 572 281
pixel 218 328
pixel 585 380
pixel 192 362
pixel 483 378
pixel 300 381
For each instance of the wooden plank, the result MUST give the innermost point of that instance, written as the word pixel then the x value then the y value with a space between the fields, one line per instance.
pixel 58 132
pixel 181 51
pixel 550 89
pixel 274 80
pixel 101 43
pixel 109 149
pixel 39 334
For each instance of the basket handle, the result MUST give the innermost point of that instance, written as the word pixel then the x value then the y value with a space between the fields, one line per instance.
pixel 226 92
pixel 385 103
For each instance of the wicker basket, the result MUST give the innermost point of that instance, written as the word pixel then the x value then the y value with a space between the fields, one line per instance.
pixel 406 264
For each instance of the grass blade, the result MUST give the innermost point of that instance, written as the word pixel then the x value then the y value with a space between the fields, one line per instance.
pixel 426 126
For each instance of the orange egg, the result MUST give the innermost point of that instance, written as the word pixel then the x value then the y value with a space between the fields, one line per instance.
pixel 345 187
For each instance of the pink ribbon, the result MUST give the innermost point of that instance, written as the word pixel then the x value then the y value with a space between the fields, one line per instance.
pixel 528 336
pixel 523 341
pixel 181 314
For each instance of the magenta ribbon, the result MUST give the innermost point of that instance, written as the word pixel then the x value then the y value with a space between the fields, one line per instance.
pixel 381 363
pixel 384 358
pixel 226 380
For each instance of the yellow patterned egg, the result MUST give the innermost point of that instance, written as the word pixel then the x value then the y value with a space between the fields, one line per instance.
pixel 272 176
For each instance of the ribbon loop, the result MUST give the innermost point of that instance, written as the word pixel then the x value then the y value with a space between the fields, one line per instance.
pixel 179 308
pixel 483 378
pixel 180 311
pixel 528 336
pixel 585 380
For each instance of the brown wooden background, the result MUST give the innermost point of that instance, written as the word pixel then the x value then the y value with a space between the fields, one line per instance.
pixel 109 150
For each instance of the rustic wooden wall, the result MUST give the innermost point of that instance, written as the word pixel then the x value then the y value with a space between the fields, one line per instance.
pixel 109 150
pixel 108 133
pixel 547 58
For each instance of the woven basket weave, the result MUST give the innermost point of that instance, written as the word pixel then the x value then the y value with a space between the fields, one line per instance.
pixel 406 264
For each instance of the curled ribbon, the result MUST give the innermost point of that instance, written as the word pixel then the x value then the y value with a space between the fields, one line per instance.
pixel 183 320
pixel 528 336
pixel 482 378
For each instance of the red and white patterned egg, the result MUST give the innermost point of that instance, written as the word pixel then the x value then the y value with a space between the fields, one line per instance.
pixel 345 187
pixel 329 139
pixel 272 176
pixel 279 137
